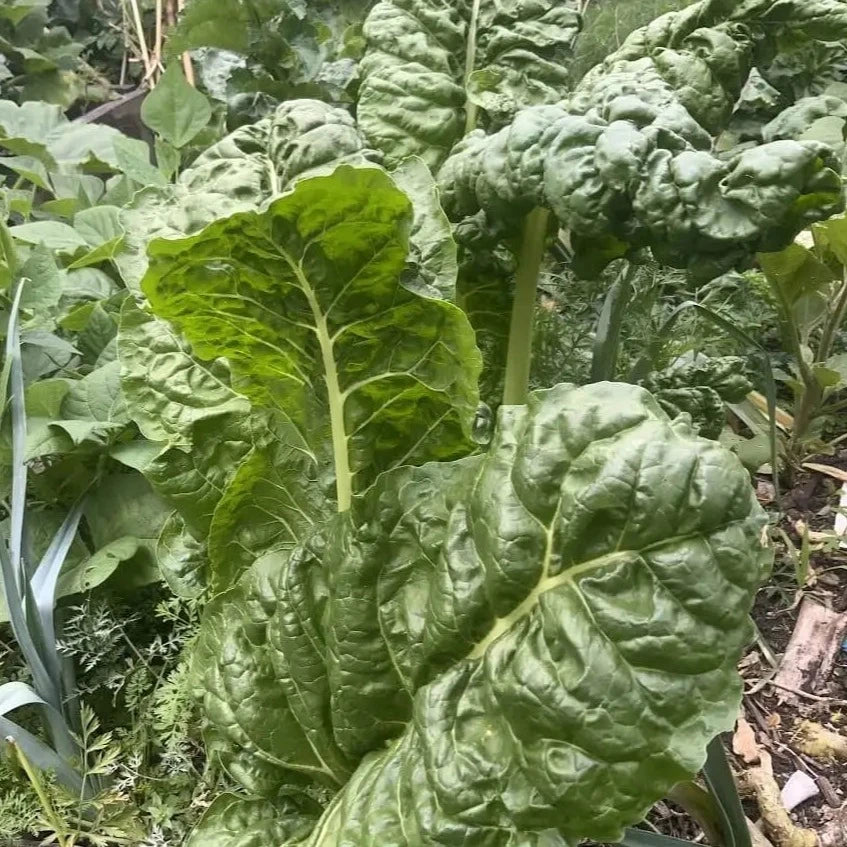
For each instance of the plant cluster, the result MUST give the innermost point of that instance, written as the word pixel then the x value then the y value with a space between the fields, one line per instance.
pixel 314 378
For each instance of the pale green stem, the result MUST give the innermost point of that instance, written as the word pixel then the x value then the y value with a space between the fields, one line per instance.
pixel 471 109
pixel 834 323
pixel 519 356
pixel 335 397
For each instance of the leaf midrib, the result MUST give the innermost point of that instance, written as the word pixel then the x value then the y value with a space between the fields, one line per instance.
pixel 335 397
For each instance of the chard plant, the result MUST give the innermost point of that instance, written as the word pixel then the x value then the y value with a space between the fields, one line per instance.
pixel 419 632
pixel 412 638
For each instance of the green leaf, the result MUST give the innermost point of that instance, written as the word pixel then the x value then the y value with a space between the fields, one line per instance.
pixel 211 23
pixel 599 560
pixel 101 228
pixel 240 173
pixel 168 158
pixel 797 273
pixel 182 559
pixel 432 264
pixel 200 424
pixel 274 498
pixel 233 821
pixel 46 282
pixel 41 130
pixel 174 109
pixel 305 302
pixel 428 67
pixel 52 234
pixel 125 517
pixel 133 157
pixel 596 162
pixel 97 397
pixel 30 168
pixel 168 391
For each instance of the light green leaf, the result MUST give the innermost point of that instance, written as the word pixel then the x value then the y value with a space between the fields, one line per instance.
pixel 432 264
pixel 99 225
pixel 133 158
pixel 305 302
pixel 168 158
pixel 46 282
pixel 174 109
pixel 125 517
pixel 276 496
pixel 241 172
pixel 167 390
pixel 97 397
pixel 52 234
pixel 30 168
pixel 200 426
pixel 182 559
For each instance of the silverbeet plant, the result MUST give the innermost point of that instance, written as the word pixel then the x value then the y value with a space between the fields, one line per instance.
pixel 414 640
pixel 529 645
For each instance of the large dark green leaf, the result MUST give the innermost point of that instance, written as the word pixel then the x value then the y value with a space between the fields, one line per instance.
pixel 626 161
pixel 430 65
pixel 305 300
pixel 233 821
pixel 548 632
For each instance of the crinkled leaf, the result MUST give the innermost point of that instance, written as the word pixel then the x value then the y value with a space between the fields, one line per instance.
pixel 200 424
pixel 598 163
pixel 427 61
pixel 599 560
pixel 233 821
pixel 305 301
pixel 182 559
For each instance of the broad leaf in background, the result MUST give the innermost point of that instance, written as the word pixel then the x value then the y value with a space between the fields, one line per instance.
pixel 175 110
pixel 607 24
pixel 481 609
pixel 306 303
pixel 40 130
pixel 125 517
pixel 700 388
pixel 274 51
pixel 428 68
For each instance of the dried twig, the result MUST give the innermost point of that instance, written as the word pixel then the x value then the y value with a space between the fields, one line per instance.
pixel 149 67
pixel 186 58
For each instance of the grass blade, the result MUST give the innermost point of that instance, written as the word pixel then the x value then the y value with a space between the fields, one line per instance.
pixel 608 336
pixel 643 838
pixel 18 411
pixel 722 785
pixel 43 586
